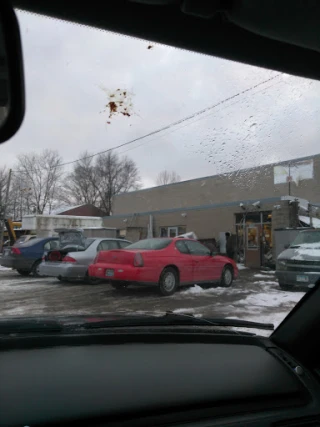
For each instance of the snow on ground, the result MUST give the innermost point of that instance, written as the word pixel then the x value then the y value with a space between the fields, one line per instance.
pixel 266 282
pixel 265 302
pixel 263 276
pixel 198 290
pixel 4 268
pixel 253 296
pixel 241 267
pixel 271 299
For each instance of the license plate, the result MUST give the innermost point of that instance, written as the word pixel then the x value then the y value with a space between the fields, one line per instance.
pixel 109 273
pixel 302 278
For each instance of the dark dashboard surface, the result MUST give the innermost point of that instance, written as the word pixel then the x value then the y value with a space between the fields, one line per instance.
pixel 204 379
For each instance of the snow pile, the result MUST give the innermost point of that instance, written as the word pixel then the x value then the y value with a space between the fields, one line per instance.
pixel 271 299
pixel 241 267
pixel 266 282
pixel 197 290
pixel 184 310
pixel 263 276
pixel 4 268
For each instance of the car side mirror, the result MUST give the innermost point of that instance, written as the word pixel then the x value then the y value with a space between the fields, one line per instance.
pixel 287 245
pixel 12 95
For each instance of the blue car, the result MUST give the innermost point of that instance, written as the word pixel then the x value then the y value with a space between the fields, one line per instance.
pixel 26 257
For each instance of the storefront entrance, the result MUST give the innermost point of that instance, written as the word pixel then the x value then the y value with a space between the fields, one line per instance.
pixel 254 238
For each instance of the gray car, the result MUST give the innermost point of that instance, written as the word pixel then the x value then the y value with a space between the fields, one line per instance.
pixel 299 264
pixel 74 264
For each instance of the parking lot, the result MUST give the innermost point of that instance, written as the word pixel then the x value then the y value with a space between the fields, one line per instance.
pixel 254 296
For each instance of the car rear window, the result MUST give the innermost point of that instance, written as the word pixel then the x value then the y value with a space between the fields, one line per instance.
pixel 152 244
pixel 31 242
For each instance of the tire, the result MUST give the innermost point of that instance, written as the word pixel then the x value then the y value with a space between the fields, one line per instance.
pixel 92 280
pixel 283 286
pixel 169 281
pixel 24 272
pixel 119 286
pixel 226 277
pixel 35 269
pixel 63 279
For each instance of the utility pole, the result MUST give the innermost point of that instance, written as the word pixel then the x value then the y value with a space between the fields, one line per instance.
pixel 4 213
pixel 289 179
pixel 310 214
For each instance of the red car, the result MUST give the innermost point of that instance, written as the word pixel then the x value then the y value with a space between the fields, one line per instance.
pixel 164 262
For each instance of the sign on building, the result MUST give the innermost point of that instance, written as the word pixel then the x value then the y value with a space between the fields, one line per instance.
pixel 293 172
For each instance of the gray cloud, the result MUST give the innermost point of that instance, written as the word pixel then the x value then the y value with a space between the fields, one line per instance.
pixel 66 65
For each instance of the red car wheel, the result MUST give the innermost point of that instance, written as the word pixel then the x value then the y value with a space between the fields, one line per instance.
pixel 169 281
pixel 226 276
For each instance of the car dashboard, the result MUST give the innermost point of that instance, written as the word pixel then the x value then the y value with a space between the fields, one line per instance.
pixel 199 379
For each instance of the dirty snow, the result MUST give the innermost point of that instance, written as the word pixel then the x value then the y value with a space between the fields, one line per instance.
pixel 271 299
pixel 241 267
pixel 248 298
pixel 263 276
pixel 4 268
pixel 266 282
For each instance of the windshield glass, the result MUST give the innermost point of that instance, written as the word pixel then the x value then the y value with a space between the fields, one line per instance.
pixel 153 244
pixel 136 141
pixel 306 237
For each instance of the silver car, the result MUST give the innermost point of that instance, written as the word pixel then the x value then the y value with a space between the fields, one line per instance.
pixel 74 264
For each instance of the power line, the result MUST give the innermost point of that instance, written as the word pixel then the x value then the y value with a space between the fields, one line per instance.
pixel 194 121
pixel 204 110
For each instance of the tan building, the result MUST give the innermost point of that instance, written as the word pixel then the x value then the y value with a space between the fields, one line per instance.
pixel 220 203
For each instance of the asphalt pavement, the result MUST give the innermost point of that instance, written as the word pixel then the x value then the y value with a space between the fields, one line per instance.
pixel 254 296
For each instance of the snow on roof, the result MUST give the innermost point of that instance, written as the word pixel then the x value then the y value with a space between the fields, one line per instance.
pixel 306 220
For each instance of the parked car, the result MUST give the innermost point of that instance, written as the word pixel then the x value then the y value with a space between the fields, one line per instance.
pixel 164 262
pixel 25 238
pixel 71 260
pixel 299 264
pixel 26 257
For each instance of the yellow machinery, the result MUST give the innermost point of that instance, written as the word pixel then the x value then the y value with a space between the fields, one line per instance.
pixel 13 228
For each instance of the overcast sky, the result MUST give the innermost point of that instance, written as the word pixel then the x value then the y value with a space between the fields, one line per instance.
pixel 71 69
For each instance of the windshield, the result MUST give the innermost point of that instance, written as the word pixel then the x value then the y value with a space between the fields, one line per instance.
pixel 131 140
pixel 153 244
pixel 68 238
pixel 306 237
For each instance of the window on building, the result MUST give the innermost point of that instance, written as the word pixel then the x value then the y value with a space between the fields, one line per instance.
pixel 252 237
pixel 172 231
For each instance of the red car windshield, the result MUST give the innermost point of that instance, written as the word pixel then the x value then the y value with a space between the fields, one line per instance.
pixel 152 244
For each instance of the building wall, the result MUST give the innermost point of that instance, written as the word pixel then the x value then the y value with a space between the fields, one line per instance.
pixel 206 223
pixel 247 186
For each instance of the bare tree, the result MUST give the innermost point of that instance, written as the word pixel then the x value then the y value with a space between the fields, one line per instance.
pixel 82 185
pixel 97 180
pixel 166 177
pixel 40 177
pixel 114 175
pixel 3 187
